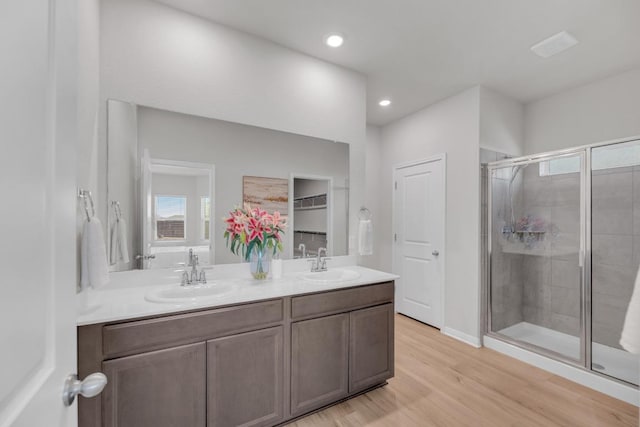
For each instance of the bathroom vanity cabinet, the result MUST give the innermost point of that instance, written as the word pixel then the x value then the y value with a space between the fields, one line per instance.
pixel 252 364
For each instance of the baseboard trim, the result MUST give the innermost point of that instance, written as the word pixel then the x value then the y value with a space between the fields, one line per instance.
pixel 461 336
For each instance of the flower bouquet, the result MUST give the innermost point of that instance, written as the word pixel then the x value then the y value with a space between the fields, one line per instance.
pixel 254 234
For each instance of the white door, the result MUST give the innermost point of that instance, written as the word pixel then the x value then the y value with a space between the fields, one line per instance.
pixel 418 215
pixel 37 210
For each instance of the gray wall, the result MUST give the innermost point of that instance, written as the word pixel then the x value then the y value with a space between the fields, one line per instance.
pixel 237 150
pixel 615 248
pixel 123 186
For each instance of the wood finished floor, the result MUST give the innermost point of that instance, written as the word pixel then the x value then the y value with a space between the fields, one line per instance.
pixel 442 382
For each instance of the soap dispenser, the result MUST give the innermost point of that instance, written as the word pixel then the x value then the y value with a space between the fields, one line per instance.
pixel 276 267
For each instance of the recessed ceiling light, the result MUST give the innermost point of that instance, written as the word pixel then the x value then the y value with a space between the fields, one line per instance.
pixel 334 40
pixel 554 44
pixel 384 103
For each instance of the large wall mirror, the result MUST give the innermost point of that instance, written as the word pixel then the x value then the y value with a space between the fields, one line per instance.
pixel 172 177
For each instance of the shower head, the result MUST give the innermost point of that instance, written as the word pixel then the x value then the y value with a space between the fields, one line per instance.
pixel 515 170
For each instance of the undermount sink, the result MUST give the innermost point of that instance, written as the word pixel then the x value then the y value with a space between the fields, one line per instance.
pixel 335 275
pixel 188 294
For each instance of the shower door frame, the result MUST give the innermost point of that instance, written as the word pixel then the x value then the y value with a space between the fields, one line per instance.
pixel 584 321
pixel 584 254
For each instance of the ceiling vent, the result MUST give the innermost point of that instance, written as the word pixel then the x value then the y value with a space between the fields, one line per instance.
pixel 554 44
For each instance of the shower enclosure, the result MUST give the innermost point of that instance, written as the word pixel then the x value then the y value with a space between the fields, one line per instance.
pixel 563 242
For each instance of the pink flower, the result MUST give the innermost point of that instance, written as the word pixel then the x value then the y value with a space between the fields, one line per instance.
pixel 277 220
pixel 254 226
pixel 258 213
pixel 255 229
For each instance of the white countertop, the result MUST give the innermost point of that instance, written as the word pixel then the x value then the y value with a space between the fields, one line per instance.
pixel 124 297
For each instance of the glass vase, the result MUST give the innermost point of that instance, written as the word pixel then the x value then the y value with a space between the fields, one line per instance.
pixel 259 262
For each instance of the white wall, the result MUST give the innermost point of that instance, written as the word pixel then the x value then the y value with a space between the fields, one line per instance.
pixel 452 127
pixel 372 199
pixel 88 84
pixel 599 111
pixel 501 123
pixel 88 91
pixel 157 56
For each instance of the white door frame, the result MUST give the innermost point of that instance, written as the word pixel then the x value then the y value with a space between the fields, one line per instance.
pixel 290 225
pixel 443 256
pixel 147 194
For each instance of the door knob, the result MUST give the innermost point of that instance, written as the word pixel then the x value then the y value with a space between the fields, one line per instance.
pixel 91 386
pixel 435 253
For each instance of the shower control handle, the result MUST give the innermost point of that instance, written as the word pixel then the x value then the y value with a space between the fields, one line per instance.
pixel 435 253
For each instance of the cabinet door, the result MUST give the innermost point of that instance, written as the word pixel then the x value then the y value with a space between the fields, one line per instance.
pixel 371 347
pixel 245 379
pixel 160 388
pixel 319 362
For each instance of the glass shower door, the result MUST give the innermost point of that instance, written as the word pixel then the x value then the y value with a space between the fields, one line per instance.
pixel 536 246
pixel 615 254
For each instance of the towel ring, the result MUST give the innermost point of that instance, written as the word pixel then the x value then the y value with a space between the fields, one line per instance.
pixel 87 199
pixel 364 213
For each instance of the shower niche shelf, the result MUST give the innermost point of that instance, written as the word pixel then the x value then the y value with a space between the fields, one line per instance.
pixel 544 249
pixel 525 236
pixel 528 232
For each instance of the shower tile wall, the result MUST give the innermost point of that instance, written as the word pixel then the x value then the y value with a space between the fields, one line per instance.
pixel 551 296
pixel 615 249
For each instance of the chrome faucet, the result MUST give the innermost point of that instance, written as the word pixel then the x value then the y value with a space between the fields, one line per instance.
pixel 303 248
pixel 185 279
pixel 320 263
pixel 194 277
pixel 194 269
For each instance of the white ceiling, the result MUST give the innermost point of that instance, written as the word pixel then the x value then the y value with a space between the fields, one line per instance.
pixel 416 52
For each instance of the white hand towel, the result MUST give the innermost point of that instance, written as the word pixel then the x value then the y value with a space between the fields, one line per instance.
pixel 119 249
pixel 630 339
pixel 93 256
pixel 365 237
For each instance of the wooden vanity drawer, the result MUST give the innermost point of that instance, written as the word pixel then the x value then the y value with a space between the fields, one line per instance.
pixel 331 302
pixel 152 334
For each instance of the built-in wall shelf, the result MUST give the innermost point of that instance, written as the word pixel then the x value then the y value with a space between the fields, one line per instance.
pixel 529 233
pixel 322 233
pixel 538 248
pixel 310 208
pixel 315 201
